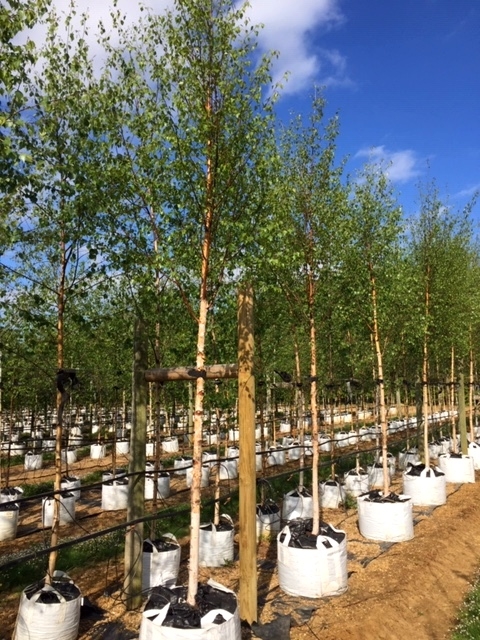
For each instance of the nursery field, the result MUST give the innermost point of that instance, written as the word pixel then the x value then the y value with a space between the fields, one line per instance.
pixel 395 590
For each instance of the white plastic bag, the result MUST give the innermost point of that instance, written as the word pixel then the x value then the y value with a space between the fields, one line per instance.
pixel 216 547
pixel 52 621
pixel 161 567
pixel 312 573
pixel 151 626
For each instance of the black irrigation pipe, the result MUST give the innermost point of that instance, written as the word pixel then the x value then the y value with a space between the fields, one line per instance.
pixel 163 514
pixel 337 458
pixel 97 534
pixel 93 485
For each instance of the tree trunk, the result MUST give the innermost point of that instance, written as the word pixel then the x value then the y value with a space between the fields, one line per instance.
pixel 425 374
pixel 452 402
pixel 299 412
pixel 470 398
pixel 313 404
pixel 195 492
pixel 136 482
pixel 380 386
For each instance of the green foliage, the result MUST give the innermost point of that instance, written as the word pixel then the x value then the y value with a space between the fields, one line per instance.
pixel 443 257
pixel 468 626
pixel 30 490
pixel 16 62
pixel 83 554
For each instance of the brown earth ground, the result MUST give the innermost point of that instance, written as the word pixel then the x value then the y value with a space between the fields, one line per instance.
pixel 410 589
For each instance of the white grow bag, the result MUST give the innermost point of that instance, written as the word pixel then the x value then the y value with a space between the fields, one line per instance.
pixel 152 619
pixel 208 457
pixel 108 475
pixel 258 457
pixel 216 547
pixel 295 451
pixel 474 453
pixel 364 434
pixel 428 488
pixel 97 451
pixel 325 442
pixel 308 447
pixel 170 445
pixel 163 485
pixel 16 448
pixel 53 621
pixel 68 455
pixel 160 567
pixel 228 469
pixel 205 477
pixel 356 482
pixel 48 445
pixel 233 452
pixel 297 504
pixel 150 449
pixel 234 434
pixel 210 438
pixel 181 465
pixel 408 457
pixel 8 521
pixel 386 521
pixel 391 463
pixel 276 456
pixel 10 494
pixel 122 447
pixel 115 495
pixel 353 437
pixel 67 509
pixel 341 439
pixel 457 469
pixel 267 520
pixel 444 445
pixel 434 450
pixel 331 494
pixel 375 475
pixel 33 461
pixel 71 484
pixel 312 573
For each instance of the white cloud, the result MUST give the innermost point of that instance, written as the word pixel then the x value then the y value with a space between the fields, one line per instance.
pixel 288 26
pixel 400 166
pixel 469 192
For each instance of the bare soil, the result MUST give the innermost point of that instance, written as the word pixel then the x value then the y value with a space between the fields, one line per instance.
pixel 409 589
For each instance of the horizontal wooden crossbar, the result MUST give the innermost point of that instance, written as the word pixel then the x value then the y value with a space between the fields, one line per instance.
pixel 212 372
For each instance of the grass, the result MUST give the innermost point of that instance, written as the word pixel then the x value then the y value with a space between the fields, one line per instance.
pixel 468 627
pixel 30 490
pixel 81 554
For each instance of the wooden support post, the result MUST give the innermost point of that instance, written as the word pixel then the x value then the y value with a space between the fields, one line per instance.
pixel 247 469
pixel 136 483
pixel 210 372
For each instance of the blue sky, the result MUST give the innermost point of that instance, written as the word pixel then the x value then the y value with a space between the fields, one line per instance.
pixel 403 74
pixel 405 78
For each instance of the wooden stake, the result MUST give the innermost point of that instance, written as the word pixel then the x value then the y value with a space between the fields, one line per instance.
pixel 210 372
pixel 247 469
pixel 136 483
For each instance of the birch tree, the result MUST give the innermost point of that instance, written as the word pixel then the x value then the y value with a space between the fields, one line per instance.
pixel 373 251
pixel 52 212
pixel 209 98
pixel 313 204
